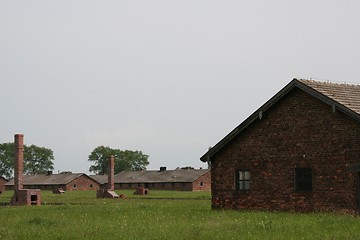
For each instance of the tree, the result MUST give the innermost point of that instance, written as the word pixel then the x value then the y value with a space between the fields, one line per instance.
pixel 99 156
pixel 124 160
pixel 37 160
pixel 6 160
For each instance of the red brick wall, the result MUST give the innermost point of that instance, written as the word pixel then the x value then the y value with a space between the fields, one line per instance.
pixel 19 161
pixel 2 183
pixel 299 131
pixel 26 197
pixel 203 183
pixel 82 183
pixel 111 173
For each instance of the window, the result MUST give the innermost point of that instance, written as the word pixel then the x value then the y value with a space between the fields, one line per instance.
pixel 91 185
pixel 74 186
pixel 303 179
pixel 201 184
pixel 243 180
pixel 33 198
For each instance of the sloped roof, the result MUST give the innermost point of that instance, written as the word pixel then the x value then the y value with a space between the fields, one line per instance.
pixel 155 176
pixel 348 95
pixel 342 97
pixel 52 179
pixel 1 177
pixel 100 178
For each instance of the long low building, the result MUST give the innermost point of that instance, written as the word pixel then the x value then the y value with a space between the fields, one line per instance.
pixel 3 181
pixel 65 181
pixel 178 179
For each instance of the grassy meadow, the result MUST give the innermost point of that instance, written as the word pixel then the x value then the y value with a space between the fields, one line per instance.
pixel 161 215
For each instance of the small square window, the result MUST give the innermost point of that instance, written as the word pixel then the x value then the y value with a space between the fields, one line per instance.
pixel 303 179
pixel 74 186
pixel 33 198
pixel 201 184
pixel 243 180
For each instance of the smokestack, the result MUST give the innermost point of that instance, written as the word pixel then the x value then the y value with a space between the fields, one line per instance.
pixel 19 161
pixel 109 192
pixel 22 197
pixel 111 173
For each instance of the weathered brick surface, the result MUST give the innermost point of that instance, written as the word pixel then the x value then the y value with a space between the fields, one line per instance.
pixel 19 161
pixel 111 172
pixel 299 131
pixel 2 183
pixel 109 192
pixel 203 183
pixel 82 183
pixel 106 193
pixel 22 196
pixel 141 191
pixel 26 197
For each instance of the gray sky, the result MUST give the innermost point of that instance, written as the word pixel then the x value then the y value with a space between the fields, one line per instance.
pixel 169 78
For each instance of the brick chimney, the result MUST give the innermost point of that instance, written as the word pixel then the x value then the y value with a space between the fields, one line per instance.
pixel 19 161
pixel 22 197
pixel 109 192
pixel 111 173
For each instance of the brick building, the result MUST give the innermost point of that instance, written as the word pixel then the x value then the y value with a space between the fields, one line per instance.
pixel 178 179
pixel 3 181
pixel 65 181
pixel 300 151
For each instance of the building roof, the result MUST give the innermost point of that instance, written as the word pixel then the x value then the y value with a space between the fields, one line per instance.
pixel 341 97
pixel 52 179
pixel 348 95
pixel 155 176
pixel 100 178
pixel 4 179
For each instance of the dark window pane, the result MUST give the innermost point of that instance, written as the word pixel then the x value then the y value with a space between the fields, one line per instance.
pixel 243 180
pixel 303 179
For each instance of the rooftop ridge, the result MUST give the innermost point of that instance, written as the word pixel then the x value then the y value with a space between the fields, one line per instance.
pixel 333 82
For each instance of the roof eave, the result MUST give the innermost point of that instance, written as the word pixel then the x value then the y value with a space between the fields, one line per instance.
pixel 212 151
pixel 294 83
pixel 329 101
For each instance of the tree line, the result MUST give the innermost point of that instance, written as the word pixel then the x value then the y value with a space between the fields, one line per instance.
pixel 39 160
pixel 125 160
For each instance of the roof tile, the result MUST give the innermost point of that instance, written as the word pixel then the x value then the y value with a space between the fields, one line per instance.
pixel 347 95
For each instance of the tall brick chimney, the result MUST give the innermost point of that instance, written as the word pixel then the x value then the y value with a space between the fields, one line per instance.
pixel 109 192
pixel 19 162
pixel 111 173
pixel 22 196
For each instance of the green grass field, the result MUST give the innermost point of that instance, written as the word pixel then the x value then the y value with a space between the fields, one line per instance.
pixel 161 215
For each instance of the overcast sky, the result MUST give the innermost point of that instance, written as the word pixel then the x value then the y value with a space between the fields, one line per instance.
pixel 169 78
